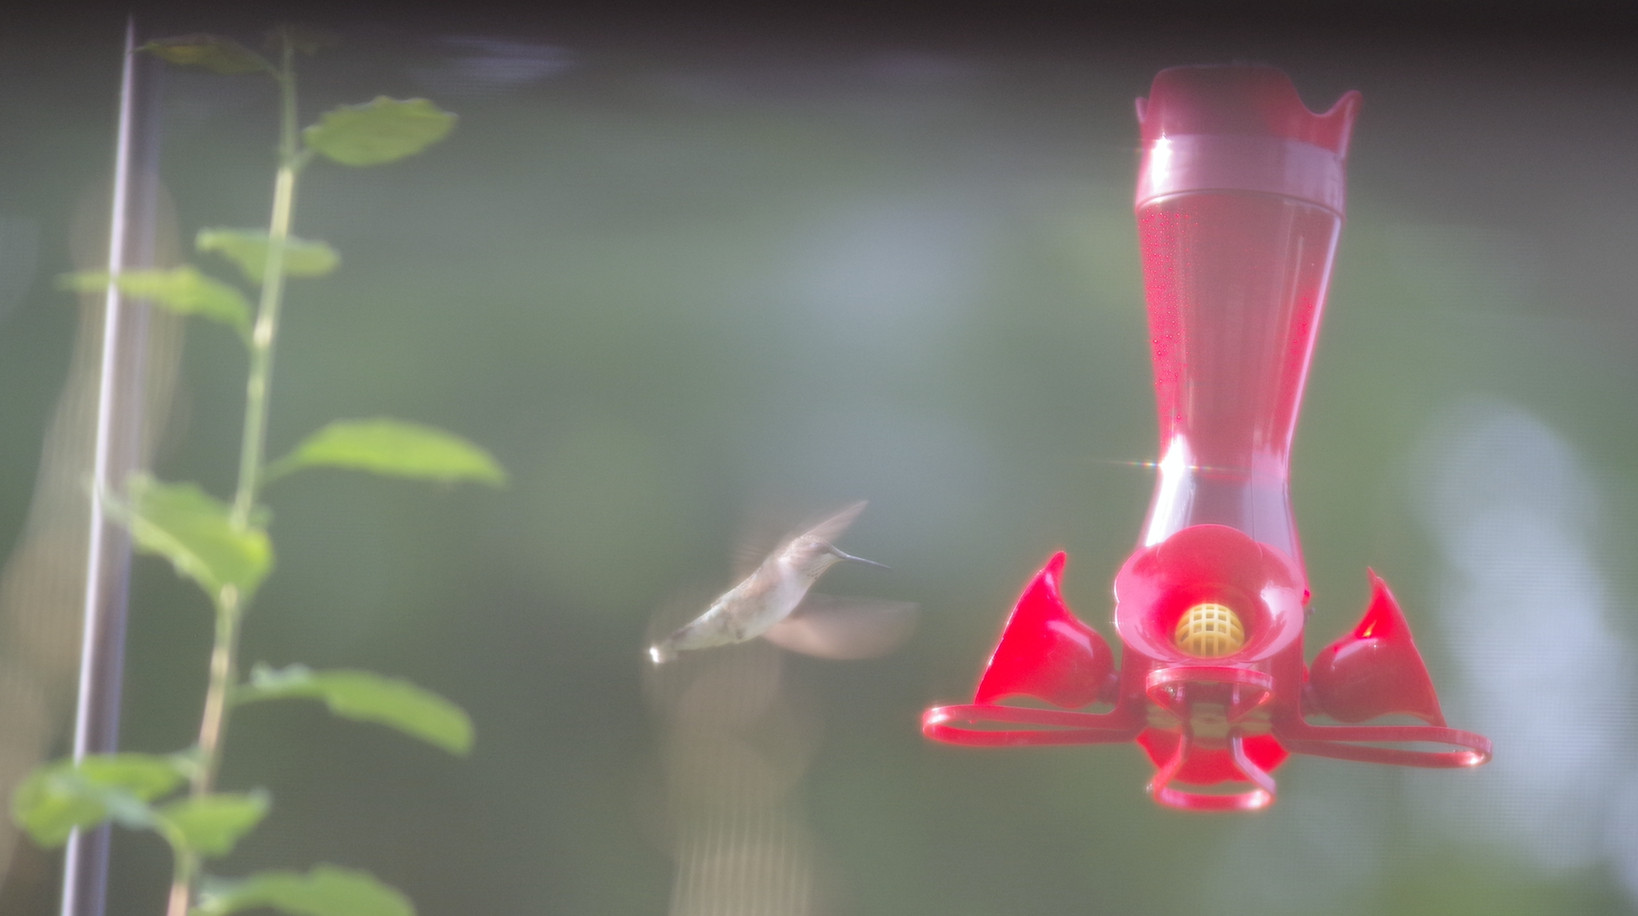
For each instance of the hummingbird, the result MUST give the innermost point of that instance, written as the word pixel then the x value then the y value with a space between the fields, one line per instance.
pixel 773 602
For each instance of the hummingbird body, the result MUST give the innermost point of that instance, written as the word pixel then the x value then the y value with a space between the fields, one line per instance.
pixel 769 595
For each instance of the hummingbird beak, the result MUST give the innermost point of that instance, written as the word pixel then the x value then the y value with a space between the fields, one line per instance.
pixel 849 556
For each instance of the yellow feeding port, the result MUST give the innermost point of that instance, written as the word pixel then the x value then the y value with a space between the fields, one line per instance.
pixel 1210 631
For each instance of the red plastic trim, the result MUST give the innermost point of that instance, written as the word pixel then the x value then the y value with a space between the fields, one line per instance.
pixel 1361 742
pixel 1261 796
pixel 1156 683
pixel 956 724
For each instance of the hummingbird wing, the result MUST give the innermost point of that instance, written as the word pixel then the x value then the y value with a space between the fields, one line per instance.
pixel 832 527
pixel 763 536
pixel 825 626
pixel 760 535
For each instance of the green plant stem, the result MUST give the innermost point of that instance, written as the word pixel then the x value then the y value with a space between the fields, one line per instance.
pixel 212 725
pixel 230 607
pixel 252 446
pixel 223 676
pixel 184 873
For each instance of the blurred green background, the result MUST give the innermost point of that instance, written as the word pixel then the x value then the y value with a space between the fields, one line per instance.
pixel 679 275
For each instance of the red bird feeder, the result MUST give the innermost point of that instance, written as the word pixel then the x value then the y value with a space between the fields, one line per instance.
pixel 1239 206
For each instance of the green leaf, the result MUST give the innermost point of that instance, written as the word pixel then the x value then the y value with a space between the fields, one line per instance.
pixel 59 797
pixel 187 526
pixel 183 290
pixel 211 825
pixel 248 249
pixel 382 130
pixel 324 891
pixel 212 52
pixel 392 448
pixel 367 697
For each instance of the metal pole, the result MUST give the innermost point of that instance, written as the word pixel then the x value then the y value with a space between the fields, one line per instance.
pixel 119 396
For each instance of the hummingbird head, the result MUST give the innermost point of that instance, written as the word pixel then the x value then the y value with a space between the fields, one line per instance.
pixel 813 556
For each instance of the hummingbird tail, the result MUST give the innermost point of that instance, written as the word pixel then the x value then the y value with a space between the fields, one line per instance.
pixel 660 653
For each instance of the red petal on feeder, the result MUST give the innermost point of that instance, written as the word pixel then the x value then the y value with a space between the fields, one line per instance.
pixel 1045 651
pixel 1375 670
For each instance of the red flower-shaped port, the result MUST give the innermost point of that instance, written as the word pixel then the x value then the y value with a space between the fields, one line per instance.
pixel 1239 208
